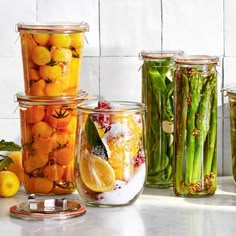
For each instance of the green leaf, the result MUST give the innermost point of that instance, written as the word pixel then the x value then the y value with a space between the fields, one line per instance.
pixel 94 140
pixel 158 83
pixel 5 163
pixel 9 146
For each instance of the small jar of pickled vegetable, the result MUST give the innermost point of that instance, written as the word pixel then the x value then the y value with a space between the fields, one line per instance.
pixel 49 143
pixel 110 166
pixel 195 132
pixel 231 93
pixel 51 55
pixel 157 94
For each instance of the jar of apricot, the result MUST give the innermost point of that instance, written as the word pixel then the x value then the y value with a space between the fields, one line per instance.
pixel 49 143
pixel 51 57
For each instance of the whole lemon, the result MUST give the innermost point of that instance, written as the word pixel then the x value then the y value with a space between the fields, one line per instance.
pixel 9 183
pixel 16 165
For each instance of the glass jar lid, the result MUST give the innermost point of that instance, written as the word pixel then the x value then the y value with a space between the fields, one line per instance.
pixel 47 209
pixel 57 100
pixel 196 60
pixel 162 54
pixel 230 90
pixel 70 27
pixel 115 107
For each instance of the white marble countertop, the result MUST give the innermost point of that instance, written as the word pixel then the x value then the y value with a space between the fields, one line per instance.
pixel 156 212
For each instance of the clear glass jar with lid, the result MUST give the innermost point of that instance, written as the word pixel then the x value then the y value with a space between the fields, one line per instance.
pixel 52 55
pixel 195 133
pixel 157 93
pixel 49 143
pixel 110 166
pixel 231 93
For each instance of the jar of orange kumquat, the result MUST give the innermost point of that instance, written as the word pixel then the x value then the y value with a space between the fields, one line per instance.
pixel 49 143
pixel 51 55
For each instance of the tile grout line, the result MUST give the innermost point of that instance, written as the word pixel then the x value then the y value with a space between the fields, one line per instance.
pixel 161 24
pixel 100 49
pixel 222 95
pixel 36 9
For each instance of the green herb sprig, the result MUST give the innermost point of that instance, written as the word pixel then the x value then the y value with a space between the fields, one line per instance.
pixel 5 148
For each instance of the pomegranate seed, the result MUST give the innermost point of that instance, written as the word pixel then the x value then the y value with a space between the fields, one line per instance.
pixel 138 160
pixel 103 119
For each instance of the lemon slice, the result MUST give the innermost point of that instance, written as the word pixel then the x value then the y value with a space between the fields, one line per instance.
pixel 96 173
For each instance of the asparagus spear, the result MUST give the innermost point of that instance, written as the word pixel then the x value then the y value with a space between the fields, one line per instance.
pixel 213 174
pixel 210 145
pixel 195 86
pixel 203 124
pixel 181 108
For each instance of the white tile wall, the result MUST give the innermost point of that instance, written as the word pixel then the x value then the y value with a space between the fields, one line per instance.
pixel 119 30
pixel 128 26
pixel 195 26
pixel 11 83
pixel 23 10
pixel 90 75
pixel 229 75
pixel 230 29
pixel 73 11
pixel 114 83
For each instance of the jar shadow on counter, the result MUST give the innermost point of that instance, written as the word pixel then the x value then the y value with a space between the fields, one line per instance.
pixel 218 200
pixel 168 192
pixel 40 227
pixel 96 221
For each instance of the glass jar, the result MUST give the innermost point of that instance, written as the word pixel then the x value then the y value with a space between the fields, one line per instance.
pixel 52 58
pixel 49 143
pixel 195 132
pixel 157 94
pixel 110 168
pixel 231 93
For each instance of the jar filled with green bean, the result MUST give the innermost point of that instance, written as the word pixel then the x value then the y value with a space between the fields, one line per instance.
pixel 157 94
pixel 195 129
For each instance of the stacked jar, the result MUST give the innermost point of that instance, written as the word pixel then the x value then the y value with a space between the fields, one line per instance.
pixel 51 56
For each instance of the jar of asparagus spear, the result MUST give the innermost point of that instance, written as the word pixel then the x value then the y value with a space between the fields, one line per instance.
pixel 231 93
pixel 195 139
pixel 157 94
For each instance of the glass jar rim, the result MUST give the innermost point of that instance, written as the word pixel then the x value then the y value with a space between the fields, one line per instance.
pixel 117 107
pixel 196 60
pixel 230 91
pixel 161 54
pixel 46 100
pixel 66 27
